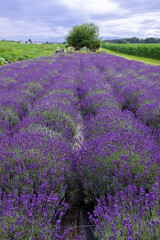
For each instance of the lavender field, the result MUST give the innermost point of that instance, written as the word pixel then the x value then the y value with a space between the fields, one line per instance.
pixel 80 129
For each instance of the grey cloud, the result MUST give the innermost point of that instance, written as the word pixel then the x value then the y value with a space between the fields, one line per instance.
pixel 140 6
pixel 53 14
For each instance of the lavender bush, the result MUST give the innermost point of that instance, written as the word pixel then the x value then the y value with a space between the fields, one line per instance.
pixel 79 129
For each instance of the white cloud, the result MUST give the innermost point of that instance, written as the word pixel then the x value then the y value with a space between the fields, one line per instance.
pixel 92 6
pixel 144 25
pixel 10 28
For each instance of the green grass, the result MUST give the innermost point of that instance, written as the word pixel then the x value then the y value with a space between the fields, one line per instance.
pixel 132 57
pixel 15 51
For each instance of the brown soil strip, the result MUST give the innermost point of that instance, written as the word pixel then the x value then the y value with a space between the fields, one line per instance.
pixel 77 219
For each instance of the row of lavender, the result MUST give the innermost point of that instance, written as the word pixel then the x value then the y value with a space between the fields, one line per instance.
pixel 116 167
pixel 38 122
pixel 137 87
pixel 119 162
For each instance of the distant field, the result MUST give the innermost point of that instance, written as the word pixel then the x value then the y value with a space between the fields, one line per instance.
pixel 15 51
pixel 141 50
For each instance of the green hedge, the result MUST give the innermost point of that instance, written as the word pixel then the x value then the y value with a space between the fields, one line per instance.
pixel 141 50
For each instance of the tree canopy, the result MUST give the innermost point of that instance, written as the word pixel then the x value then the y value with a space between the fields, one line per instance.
pixel 84 35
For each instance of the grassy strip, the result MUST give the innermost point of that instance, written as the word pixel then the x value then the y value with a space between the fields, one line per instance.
pixel 131 57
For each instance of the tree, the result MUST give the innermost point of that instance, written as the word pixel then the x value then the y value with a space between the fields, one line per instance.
pixel 151 40
pixel 84 35
pixel 29 40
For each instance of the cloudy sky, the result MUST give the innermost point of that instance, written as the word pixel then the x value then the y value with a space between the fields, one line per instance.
pixel 51 20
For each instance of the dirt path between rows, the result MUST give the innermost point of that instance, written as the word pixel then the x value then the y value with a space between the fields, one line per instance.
pixel 77 217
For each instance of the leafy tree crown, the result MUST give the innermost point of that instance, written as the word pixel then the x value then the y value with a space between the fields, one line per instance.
pixel 84 35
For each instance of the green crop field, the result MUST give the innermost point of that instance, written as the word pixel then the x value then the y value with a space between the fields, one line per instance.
pixel 15 51
pixel 141 50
